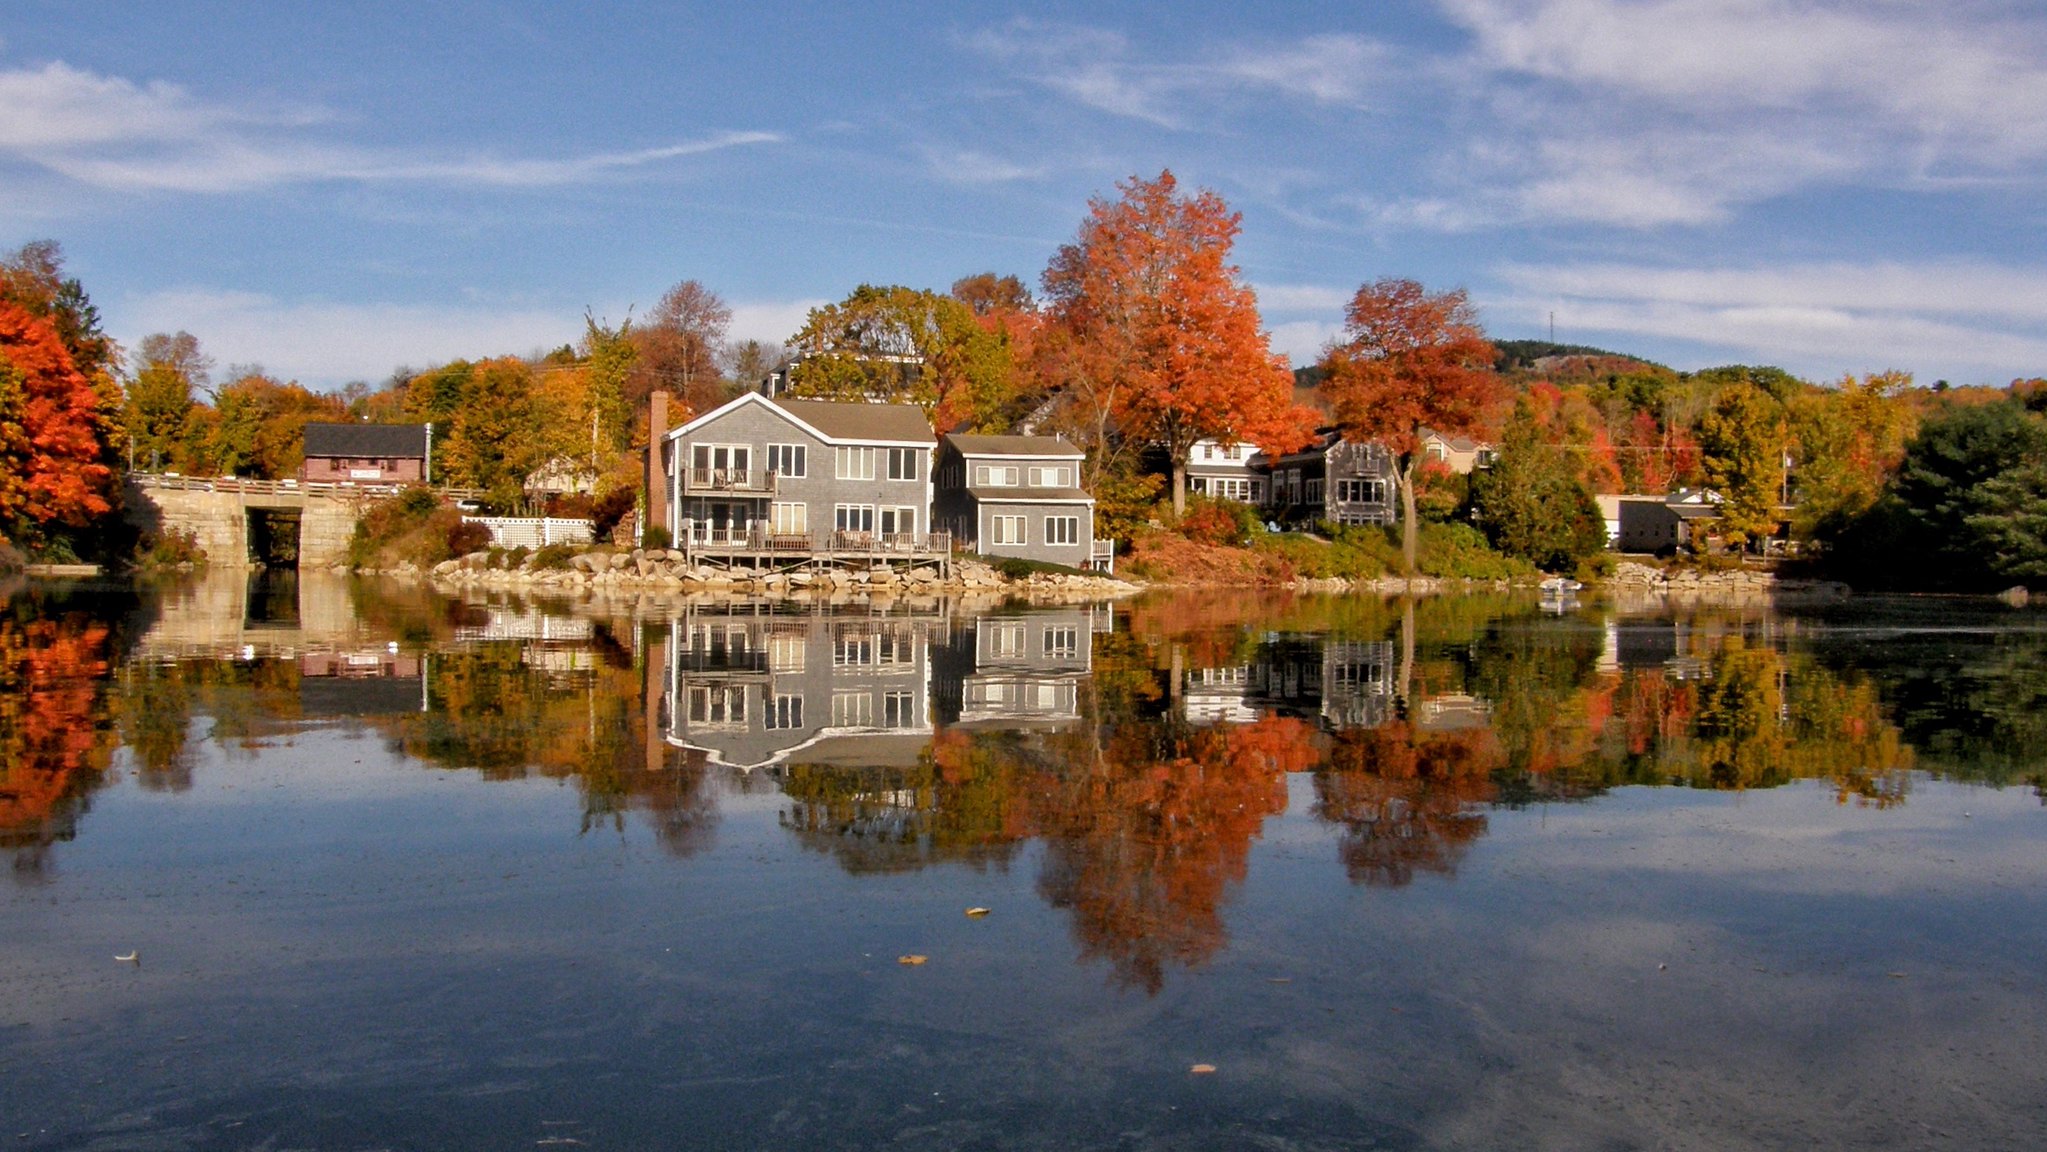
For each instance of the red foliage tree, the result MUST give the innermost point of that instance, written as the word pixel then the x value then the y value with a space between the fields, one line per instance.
pixel 1411 361
pixel 1161 333
pixel 53 432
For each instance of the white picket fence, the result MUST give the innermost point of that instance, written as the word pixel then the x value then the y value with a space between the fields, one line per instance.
pixel 533 531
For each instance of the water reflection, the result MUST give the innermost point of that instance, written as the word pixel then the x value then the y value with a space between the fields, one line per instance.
pixel 1142 747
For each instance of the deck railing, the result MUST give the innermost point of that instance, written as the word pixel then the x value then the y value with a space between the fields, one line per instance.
pixel 735 481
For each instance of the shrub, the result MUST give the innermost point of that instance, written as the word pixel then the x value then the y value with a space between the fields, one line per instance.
pixel 516 558
pixel 1212 521
pixel 553 556
pixel 656 536
pixel 177 548
pixel 607 510
pixel 465 537
pixel 418 502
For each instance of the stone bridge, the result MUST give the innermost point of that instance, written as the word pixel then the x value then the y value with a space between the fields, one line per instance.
pixel 228 515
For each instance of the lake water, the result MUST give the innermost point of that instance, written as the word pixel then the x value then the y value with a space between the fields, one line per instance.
pixel 1290 873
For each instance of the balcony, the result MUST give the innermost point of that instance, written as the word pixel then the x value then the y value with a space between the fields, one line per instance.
pixel 729 482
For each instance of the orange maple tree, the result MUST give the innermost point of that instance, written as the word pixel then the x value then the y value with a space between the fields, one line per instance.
pixel 52 431
pixel 1411 362
pixel 1160 332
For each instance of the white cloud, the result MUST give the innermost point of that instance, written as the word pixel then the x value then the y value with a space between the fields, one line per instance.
pixel 970 167
pixel 1645 113
pixel 1969 321
pixel 1098 69
pixel 324 344
pixel 108 132
pixel 770 321
pixel 1284 298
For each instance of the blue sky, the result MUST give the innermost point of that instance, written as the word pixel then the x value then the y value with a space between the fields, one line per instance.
pixel 334 190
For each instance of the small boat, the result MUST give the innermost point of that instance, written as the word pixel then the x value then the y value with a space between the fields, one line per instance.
pixel 1559 586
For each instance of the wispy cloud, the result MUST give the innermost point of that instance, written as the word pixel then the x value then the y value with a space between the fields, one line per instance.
pixel 1645 113
pixel 1101 70
pixel 1960 319
pixel 112 133
pixel 967 166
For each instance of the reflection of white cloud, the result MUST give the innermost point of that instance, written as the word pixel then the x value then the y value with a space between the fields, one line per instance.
pixel 321 343
pixel 1949 318
pixel 111 133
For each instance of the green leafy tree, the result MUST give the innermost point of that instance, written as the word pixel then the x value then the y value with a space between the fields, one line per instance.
pixel 33 277
pixel 162 430
pixel 608 359
pixel 1531 503
pixel 910 346
pixel 1847 441
pixel 1741 442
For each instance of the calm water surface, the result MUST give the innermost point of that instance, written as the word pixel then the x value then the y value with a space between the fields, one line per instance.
pixel 405 872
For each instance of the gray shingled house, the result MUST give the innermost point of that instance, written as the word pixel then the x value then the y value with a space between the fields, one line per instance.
pixel 1017 496
pixel 760 480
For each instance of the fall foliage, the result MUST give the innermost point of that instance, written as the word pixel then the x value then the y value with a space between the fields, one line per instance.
pixel 54 434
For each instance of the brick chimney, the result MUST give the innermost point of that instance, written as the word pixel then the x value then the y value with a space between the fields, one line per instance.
pixel 657 477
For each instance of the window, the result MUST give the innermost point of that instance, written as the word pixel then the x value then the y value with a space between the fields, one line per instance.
pixel 852 651
pixel 997 476
pixel 1058 477
pixel 853 517
pixel 902 463
pixel 899 521
pixel 789 519
pixel 1315 490
pixel 1231 488
pixel 719 465
pixel 899 710
pixel 1236 451
pixel 1365 491
pixel 1062 530
pixel 1009 529
pixel 788 652
pixel 852 710
pixel 853 463
pixel 788 459
pixel 717 705
pixel 1062 642
pixel 784 711
pixel 1008 639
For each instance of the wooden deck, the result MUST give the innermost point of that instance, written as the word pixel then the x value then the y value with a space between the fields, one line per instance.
pixel 767 550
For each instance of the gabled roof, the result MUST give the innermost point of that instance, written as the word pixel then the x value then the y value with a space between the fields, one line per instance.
pixel 361 441
pixel 832 420
pixel 975 444
pixel 839 420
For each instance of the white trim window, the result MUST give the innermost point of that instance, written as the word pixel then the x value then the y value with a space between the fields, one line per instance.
pixel 853 517
pixel 1230 488
pixel 853 463
pixel 1368 490
pixel 1052 477
pixel 1009 639
pixel 899 710
pixel 902 463
pixel 789 519
pixel 788 651
pixel 852 709
pixel 1008 529
pixel 717 705
pixel 899 521
pixel 1062 642
pixel 1062 529
pixel 783 710
pixel 788 460
pixel 997 476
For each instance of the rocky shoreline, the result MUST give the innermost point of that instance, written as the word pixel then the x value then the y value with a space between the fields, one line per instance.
pixel 667 570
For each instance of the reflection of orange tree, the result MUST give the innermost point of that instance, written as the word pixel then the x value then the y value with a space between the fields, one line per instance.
pixel 1409 801
pixel 56 738
pixel 1145 838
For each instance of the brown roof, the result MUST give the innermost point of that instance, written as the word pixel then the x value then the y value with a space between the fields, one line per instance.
pixel 840 420
pixel 974 444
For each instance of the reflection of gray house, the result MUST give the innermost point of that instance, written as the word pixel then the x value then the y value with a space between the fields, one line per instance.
pixel 1017 670
pixel 1338 683
pixel 754 687
pixel 762 479
pixel 1017 496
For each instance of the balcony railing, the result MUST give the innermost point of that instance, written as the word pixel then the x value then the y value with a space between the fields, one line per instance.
pixel 712 538
pixel 730 481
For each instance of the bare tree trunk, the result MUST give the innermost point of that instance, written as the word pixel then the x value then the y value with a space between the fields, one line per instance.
pixel 1410 538
pixel 1179 488
pixel 1407 655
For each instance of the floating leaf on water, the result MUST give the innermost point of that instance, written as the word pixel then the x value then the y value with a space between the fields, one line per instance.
pixel 977 911
pixel 911 958
pixel 1202 1069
